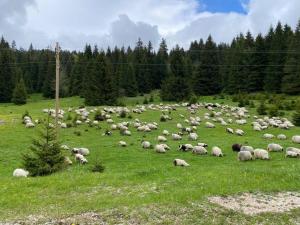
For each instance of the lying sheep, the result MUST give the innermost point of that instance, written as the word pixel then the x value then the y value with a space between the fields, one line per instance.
pixel 209 125
pixel 296 139
pixel 185 147
pixel 239 132
pixel 20 173
pixel 166 133
pixel 229 130
pixel 80 158
pixel 216 151
pixel 261 154
pixel 82 151
pixel 281 137
pixel 244 156
pixel 292 149
pixel 193 136
pixel 68 161
pixel 161 139
pixel 199 150
pixel 180 162
pixel 176 137
pixel 268 136
pixel 122 143
pixel 274 148
pixel 236 147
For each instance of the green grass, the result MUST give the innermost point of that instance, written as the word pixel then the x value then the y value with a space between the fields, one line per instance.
pixel 135 179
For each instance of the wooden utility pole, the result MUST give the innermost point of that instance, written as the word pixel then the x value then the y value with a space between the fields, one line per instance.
pixel 57 50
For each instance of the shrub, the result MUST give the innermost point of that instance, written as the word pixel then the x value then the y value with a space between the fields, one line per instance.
pixel 151 99
pixel 98 167
pixel 296 117
pixel 273 111
pixel 45 157
pixel 193 99
pixel 262 109
pixel 145 102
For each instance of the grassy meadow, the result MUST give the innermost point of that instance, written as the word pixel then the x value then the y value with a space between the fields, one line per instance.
pixel 139 184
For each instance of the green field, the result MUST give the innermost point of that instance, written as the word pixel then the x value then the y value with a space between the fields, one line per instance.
pixel 140 185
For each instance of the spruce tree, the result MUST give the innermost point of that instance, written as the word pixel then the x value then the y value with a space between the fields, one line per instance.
pixel 45 156
pixel 19 93
pixel 296 117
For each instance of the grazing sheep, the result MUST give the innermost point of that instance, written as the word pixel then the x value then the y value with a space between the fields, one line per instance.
pixel 176 137
pixel 296 139
pixel 165 146
pixel 203 145
pixel 209 125
pixel 268 136
pixel 166 133
pixel 146 144
pixel 199 150
pixel 186 147
pixel 179 126
pixel 244 156
pixel 160 149
pixel 81 158
pixel 261 154
pixel 229 130
pixel 122 143
pixel 161 139
pixel 290 154
pixel 29 125
pixel 236 147
pixel 247 148
pixel 292 149
pixel 81 151
pixel 193 136
pixel 274 148
pixel 216 151
pixel 20 173
pixel 126 133
pixel 239 132
pixel 180 162
pixel 281 137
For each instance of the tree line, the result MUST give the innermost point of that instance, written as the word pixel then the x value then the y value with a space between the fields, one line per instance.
pixel 269 63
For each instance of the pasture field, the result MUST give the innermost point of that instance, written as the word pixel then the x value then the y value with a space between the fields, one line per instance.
pixel 140 186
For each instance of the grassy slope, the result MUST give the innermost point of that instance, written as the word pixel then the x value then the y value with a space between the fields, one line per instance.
pixel 134 177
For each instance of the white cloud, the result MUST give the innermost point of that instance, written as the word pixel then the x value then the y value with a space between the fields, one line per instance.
pixel 121 22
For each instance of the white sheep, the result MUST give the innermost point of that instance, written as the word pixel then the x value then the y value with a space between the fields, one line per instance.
pixel 239 132
pixel 20 173
pixel 80 158
pixel 296 139
pixel 209 125
pixel 281 137
pixel 146 144
pixel 122 143
pixel 203 145
pixel 29 125
pixel 180 162
pixel 199 150
pixel 179 126
pixel 261 154
pixel 216 151
pixel 166 133
pixel 247 148
pixel 160 148
pixel 64 147
pixel 186 147
pixel 290 154
pixel 161 139
pixel 82 151
pixel 292 149
pixel 193 136
pixel 244 156
pixel 176 137
pixel 68 161
pixel 268 136
pixel 274 147
pixel 229 130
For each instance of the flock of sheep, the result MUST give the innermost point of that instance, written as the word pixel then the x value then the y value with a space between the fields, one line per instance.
pixel 224 115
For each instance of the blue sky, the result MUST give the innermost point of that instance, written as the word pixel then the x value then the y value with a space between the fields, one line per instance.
pixel 223 5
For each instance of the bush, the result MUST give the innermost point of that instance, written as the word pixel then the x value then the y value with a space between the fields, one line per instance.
pixel 45 157
pixel 193 99
pixel 296 118
pixel 145 102
pixel 241 103
pixel 98 167
pixel 123 114
pixel 151 99
pixel 262 109
pixel 273 111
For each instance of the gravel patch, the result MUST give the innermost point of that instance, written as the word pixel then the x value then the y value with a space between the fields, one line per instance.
pixel 255 203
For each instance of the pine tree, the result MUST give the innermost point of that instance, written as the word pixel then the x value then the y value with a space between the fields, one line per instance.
pixel 206 76
pixel 161 67
pixel 45 157
pixel 19 93
pixel 291 79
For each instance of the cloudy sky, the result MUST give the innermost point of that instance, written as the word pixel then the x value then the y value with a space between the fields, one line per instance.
pixel 120 22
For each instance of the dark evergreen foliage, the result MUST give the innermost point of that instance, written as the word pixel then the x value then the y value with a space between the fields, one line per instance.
pixel 20 93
